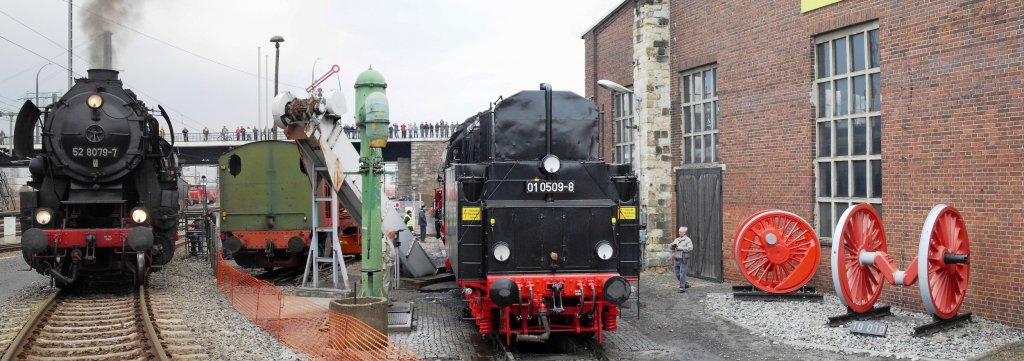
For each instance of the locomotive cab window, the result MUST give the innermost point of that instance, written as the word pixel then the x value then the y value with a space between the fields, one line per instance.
pixel 234 165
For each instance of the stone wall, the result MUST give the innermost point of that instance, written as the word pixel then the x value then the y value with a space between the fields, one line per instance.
pixel 652 79
pixel 403 178
pixel 425 165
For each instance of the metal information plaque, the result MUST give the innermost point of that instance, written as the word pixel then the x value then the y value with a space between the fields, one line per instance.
pixel 871 328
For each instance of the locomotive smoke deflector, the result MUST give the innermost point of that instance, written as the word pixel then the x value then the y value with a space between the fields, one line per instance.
pixel 23 129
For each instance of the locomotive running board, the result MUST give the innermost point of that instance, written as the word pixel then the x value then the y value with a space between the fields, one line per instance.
pixel 749 293
pixel 875 312
pixel 939 324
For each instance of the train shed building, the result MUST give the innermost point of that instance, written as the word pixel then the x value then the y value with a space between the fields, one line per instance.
pixel 813 106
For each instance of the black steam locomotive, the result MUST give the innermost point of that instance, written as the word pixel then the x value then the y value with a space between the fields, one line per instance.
pixel 105 193
pixel 546 234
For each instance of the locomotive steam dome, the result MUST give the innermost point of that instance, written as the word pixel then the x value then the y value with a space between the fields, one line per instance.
pixel 95 130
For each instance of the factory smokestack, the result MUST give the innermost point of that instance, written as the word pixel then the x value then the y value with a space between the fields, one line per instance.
pixel 108 50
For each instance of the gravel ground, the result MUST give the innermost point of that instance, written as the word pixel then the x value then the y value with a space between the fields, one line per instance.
pixel 15 310
pixel 223 332
pixel 802 325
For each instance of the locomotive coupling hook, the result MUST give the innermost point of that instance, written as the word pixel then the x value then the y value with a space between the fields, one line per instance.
pixel 541 337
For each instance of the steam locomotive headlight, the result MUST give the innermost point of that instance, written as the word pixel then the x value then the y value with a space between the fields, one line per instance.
pixel 550 164
pixel 139 215
pixel 44 216
pixel 604 250
pixel 95 101
pixel 502 252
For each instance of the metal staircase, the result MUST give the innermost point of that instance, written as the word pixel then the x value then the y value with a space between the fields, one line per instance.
pixel 324 198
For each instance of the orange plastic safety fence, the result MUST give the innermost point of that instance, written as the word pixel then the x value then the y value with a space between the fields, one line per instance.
pixel 304 326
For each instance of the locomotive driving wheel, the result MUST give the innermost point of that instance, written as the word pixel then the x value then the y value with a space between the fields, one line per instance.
pixel 859 230
pixel 942 257
pixel 777 251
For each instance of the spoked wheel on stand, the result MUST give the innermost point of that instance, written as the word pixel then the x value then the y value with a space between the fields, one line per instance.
pixel 776 251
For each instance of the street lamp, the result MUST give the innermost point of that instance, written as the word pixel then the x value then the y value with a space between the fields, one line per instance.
pixel 37 97
pixel 37 80
pixel 618 88
pixel 312 72
pixel 613 86
pixel 277 40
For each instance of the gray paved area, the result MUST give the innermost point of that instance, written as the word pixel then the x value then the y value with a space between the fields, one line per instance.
pixel 439 332
pixel 14 275
pixel 671 326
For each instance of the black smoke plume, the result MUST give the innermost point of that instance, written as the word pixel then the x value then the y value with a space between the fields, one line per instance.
pixel 99 16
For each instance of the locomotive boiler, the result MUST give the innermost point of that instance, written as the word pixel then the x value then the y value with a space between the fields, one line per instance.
pixel 104 198
pixel 543 235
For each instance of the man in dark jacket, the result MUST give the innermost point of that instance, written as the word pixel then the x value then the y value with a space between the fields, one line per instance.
pixel 423 223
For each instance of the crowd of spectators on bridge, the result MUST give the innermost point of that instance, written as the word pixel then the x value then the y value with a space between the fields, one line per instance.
pixel 240 134
pixel 438 129
pixel 414 130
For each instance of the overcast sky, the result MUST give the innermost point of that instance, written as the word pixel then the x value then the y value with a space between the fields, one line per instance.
pixel 443 59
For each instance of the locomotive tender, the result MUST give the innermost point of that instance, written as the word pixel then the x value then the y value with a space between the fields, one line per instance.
pixel 265 208
pixel 543 235
pixel 105 193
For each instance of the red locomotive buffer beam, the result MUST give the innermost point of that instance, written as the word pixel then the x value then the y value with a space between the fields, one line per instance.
pixel 860 262
pixel 531 307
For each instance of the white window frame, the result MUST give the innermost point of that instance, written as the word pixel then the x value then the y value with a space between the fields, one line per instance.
pixel 623 128
pixel 835 204
pixel 692 104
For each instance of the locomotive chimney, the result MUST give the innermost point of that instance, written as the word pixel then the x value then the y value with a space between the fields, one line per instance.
pixel 102 74
pixel 108 50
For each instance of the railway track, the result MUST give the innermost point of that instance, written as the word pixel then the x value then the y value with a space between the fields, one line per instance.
pixel 560 347
pixel 9 248
pixel 104 327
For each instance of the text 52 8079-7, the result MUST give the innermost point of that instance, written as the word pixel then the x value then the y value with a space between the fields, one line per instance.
pixel 96 152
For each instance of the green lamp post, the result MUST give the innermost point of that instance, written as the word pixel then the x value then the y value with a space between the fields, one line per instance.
pixel 372 120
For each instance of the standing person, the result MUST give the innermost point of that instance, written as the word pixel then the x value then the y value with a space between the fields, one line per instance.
pixel 3 137
pixel 407 217
pixel 423 223
pixel 238 133
pixel 273 132
pixel 681 248
pixel 206 134
pixel 224 133
pixel 184 134
pixel 403 130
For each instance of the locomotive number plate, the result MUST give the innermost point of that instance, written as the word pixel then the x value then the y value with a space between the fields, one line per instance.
pixel 551 187
pixel 94 152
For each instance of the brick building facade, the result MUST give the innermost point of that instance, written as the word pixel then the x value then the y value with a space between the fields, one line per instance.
pixel 902 105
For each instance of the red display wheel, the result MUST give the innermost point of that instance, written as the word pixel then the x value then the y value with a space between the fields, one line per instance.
pixel 943 261
pixel 777 251
pixel 859 230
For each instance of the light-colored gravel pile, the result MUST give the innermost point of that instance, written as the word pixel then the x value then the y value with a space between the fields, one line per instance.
pixel 16 309
pixel 802 324
pixel 223 332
